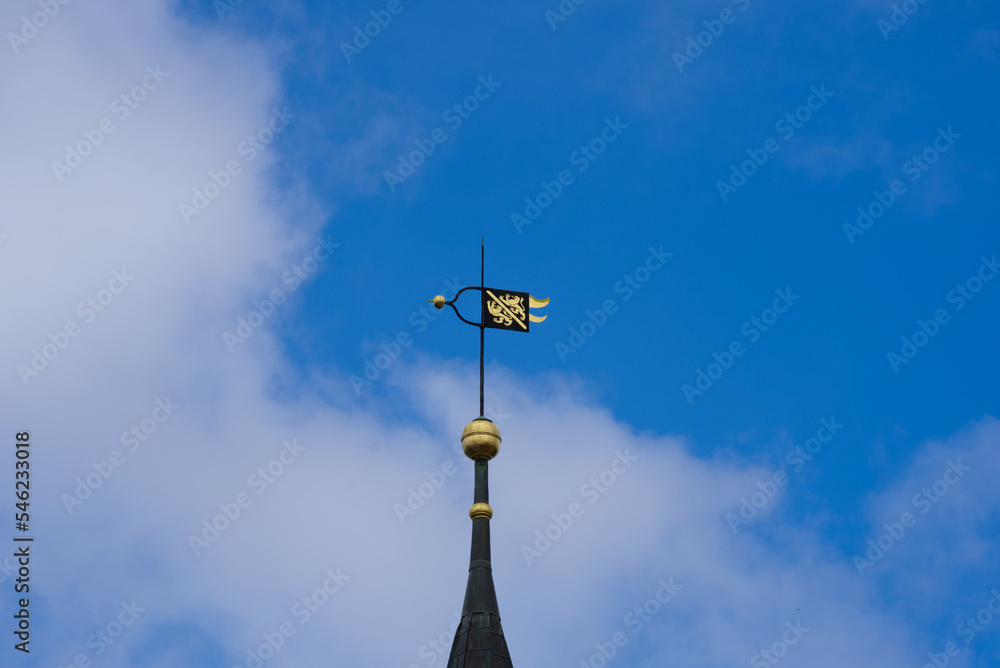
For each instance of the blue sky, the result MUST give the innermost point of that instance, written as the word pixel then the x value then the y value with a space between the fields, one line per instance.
pixel 778 219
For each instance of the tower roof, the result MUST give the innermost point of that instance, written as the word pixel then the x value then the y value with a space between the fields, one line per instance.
pixel 479 639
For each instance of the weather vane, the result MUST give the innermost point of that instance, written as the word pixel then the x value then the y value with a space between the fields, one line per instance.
pixel 479 638
pixel 499 309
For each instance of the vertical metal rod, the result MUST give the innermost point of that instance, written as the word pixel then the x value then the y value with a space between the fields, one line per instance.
pixel 482 328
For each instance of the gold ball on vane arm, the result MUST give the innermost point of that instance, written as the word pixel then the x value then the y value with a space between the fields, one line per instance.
pixel 439 301
pixel 481 439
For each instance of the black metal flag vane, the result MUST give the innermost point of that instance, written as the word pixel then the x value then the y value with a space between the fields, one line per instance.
pixel 499 309
pixel 479 638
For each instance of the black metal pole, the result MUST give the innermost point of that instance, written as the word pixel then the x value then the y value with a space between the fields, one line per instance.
pixel 482 328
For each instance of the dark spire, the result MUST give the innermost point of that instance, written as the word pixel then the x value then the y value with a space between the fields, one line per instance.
pixel 479 640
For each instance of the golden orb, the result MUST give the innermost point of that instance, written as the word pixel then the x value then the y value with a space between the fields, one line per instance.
pixel 439 301
pixel 481 439
pixel 481 510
